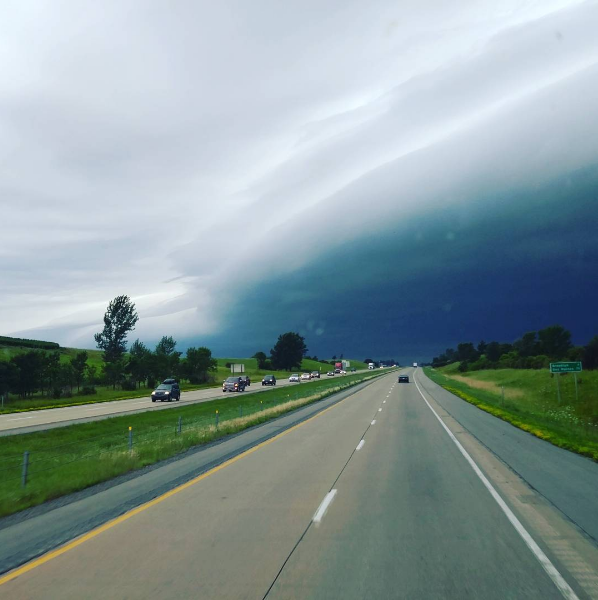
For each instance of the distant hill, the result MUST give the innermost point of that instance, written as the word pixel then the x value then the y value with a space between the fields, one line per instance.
pixel 24 343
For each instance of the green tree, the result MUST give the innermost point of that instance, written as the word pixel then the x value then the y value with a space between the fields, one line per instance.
pixel 590 354
pixel 261 359
pixel 30 367
pixel 554 341
pixel 527 345
pixel 120 319
pixel 493 352
pixel 139 364
pixel 466 352
pixel 288 352
pixel 166 358
pixel 79 364
pixel 199 364
pixel 9 376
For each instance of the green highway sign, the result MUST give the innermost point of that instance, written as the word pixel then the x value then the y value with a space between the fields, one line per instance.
pixel 565 367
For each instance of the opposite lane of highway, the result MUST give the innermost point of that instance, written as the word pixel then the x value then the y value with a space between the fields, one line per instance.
pixel 48 418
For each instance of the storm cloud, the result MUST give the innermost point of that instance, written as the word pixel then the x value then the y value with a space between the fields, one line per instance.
pixel 387 178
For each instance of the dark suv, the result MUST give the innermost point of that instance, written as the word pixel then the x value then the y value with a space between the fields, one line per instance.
pixel 167 391
pixel 233 384
pixel 403 378
pixel 269 380
pixel 247 380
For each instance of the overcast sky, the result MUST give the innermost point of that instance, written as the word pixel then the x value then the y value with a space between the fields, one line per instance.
pixel 387 178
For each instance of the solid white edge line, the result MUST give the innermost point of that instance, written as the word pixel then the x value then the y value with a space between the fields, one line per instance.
pixel 317 518
pixel 360 445
pixel 550 569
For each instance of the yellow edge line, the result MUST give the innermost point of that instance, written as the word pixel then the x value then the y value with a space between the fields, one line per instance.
pixel 110 524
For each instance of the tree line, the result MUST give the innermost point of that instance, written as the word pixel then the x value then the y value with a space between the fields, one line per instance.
pixel 43 371
pixel 533 350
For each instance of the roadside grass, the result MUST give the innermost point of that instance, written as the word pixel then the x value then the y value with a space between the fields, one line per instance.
pixel 531 402
pixel 71 458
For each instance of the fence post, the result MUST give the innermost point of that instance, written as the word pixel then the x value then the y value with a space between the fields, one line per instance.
pixel 130 438
pixel 240 411
pixel 25 468
pixel 502 387
pixel 180 425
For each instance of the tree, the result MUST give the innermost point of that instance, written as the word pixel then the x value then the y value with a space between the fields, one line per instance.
pixel 590 354
pixel 139 361
pixel 199 364
pixel 288 351
pixel 367 360
pixel 466 352
pixel 261 359
pixel 555 341
pixel 9 376
pixel 166 358
pixel 79 364
pixel 120 318
pixel 493 351
pixel 30 368
pixel 482 347
pixel 527 345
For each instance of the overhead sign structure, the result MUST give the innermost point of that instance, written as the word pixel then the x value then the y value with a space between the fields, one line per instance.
pixel 565 367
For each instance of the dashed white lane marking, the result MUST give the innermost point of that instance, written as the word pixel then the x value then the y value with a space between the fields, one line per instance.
pixel 19 418
pixel 384 402
pixel 379 410
pixel 360 445
pixel 373 422
pixel 317 518
pixel 550 569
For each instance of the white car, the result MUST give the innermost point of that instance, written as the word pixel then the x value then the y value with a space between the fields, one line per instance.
pixel 343 372
pixel 305 376
pixel 294 377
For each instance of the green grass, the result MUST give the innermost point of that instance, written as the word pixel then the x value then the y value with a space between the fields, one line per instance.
pixel 71 458
pixel 531 402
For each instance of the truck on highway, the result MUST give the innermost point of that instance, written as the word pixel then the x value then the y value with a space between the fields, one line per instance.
pixel 338 366
pixel 371 365
pixel 415 365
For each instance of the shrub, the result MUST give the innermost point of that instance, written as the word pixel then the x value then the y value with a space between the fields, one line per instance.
pixel 56 393
pixel 129 385
pixel 88 390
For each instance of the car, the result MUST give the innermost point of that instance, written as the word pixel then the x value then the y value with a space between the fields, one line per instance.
pixel 247 380
pixel 315 374
pixel 353 369
pixel 233 384
pixel 330 373
pixel 167 391
pixel 403 378
pixel 294 378
pixel 305 376
pixel 337 371
pixel 269 380
pixel 343 372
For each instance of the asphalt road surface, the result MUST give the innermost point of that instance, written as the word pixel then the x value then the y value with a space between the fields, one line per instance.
pixel 381 495
pixel 57 417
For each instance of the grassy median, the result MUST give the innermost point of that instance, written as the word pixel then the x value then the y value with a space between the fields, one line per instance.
pixel 71 458
pixel 528 399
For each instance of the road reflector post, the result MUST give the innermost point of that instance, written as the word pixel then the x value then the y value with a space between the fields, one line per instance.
pixel 180 427
pixel 130 438
pixel 217 419
pixel 25 468
pixel 502 389
pixel 240 411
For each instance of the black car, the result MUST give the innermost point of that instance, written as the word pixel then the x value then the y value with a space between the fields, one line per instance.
pixel 167 391
pixel 233 384
pixel 269 380
pixel 247 380
pixel 403 378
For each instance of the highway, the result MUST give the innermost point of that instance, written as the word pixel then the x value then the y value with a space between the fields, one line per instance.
pixel 38 420
pixel 383 494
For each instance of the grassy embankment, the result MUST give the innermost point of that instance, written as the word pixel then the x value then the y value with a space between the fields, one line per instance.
pixel 107 394
pixel 531 403
pixel 72 458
